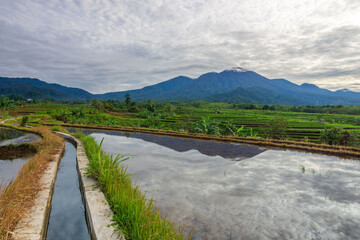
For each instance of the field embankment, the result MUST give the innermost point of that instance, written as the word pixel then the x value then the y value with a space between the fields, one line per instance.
pixel 18 197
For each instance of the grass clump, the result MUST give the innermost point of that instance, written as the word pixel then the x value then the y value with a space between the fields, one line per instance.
pixel 24 120
pixel 134 215
pixel 59 128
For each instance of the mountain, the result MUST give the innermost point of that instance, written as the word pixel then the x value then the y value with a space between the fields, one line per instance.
pixel 34 88
pixel 238 85
pixel 254 95
pixel 235 85
pixel 152 91
pixel 347 93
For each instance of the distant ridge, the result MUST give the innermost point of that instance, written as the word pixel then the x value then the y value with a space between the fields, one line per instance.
pixel 37 89
pixel 239 85
pixel 234 85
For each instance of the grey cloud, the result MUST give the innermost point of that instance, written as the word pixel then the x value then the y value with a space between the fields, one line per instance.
pixel 121 45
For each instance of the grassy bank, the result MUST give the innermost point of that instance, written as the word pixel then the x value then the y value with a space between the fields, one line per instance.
pixel 18 197
pixel 134 215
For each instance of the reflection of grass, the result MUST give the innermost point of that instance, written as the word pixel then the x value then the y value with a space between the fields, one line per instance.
pixel 134 215
pixel 6 133
pixel 302 168
pixel 18 196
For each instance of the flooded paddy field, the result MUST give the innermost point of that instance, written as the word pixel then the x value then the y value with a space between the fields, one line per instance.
pixel 234 191
pixel 9 167
pixel 15 137
pixel 67 215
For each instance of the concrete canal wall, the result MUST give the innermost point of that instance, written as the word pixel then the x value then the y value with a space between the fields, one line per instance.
pixel 98 212
pixel 97 209
pixel 33 226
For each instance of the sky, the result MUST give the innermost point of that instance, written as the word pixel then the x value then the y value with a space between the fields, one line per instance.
pixel 117 45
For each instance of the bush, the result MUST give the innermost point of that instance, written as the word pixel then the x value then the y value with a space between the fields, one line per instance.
pixel 337 136
pixel 276 128
pixel 206 126
pixel 228 128
pixel 24 120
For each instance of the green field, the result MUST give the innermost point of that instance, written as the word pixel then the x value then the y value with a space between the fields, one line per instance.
pixel 301 126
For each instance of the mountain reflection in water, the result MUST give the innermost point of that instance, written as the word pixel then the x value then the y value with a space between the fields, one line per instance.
pixel 208 148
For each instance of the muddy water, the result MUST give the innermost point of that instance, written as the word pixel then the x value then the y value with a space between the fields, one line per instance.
pixel 272 194
pixel 67 214
pixel 9 169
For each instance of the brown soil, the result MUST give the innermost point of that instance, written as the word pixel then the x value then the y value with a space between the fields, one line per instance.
pixel 15 151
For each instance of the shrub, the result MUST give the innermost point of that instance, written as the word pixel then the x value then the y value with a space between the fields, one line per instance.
pixel 206 126
pixel 276 128
pixel 24 120
pixel 337 136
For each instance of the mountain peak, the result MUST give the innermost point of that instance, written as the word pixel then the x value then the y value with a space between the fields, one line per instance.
pixel 308 85
pixel 344 90
pixel 237 69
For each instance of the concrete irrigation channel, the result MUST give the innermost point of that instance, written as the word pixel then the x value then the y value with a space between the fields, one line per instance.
pixel 42 222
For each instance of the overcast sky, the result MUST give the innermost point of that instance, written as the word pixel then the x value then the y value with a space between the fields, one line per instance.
pixel 115 45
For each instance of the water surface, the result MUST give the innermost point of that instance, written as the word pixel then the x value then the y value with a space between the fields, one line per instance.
pixel 9 169
pixel 9 133
pixel 272 194
pixel 67 214
pixel 209 148
pixel 15 137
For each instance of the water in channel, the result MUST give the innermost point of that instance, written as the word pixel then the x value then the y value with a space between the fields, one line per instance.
pixel 67 214
pixel 265 194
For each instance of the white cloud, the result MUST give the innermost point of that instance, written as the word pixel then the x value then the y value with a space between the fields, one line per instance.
pixel 118 45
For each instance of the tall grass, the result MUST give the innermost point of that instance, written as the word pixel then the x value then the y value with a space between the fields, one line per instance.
pixel 134 215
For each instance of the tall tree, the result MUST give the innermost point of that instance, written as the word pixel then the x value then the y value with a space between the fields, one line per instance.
pixel 6 103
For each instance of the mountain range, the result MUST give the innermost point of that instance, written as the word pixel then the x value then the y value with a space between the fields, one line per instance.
pixel 236 85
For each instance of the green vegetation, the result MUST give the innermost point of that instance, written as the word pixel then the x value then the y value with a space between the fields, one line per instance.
pixel 59 129
pixel 24 120
pixel 299 123
pixel 130 105
pixel 276 128
pixel 134 215
pixel 5 104
pixel 337 136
